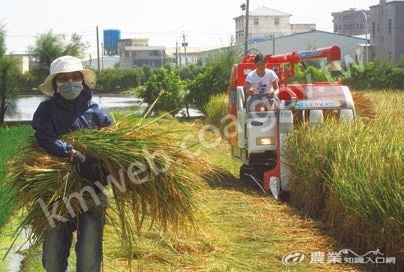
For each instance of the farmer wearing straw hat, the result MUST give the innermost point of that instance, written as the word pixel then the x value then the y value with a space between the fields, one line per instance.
pixel 70 108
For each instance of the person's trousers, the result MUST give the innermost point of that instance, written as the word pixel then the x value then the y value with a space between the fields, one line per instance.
pixel 58 240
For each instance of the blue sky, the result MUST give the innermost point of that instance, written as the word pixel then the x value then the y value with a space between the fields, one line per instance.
pixel 204 23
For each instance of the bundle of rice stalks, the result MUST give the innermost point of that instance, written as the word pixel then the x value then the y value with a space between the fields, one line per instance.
pixel 149 175
pixel 364 106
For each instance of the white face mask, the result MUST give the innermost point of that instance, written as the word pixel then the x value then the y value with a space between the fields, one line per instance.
pixel 70 90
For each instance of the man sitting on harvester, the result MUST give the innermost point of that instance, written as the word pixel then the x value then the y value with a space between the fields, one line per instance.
pixel 262 86
pixel 260 127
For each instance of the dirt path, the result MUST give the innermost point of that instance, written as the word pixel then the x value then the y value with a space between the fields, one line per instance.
pixel 262 231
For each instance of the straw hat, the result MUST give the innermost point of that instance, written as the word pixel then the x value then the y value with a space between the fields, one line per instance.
pixel 66 64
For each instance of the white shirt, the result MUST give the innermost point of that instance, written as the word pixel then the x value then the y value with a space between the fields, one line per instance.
pixel 262 84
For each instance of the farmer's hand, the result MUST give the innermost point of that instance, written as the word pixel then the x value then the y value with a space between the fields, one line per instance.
pixel 89 168
pixel 77 157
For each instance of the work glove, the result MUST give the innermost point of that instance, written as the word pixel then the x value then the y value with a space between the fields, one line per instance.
pixel 77 157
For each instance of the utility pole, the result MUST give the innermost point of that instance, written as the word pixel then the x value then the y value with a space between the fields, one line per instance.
pixel 366 29
pixel 246 7
pixel 98 51
pixel 247 13
pixel 185 44
pixel 176 54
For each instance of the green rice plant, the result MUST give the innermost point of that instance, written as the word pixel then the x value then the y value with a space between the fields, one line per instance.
pixel 149 175
pixel 12 140
pixel 352 175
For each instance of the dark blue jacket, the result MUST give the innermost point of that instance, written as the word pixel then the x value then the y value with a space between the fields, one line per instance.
pixel 58 116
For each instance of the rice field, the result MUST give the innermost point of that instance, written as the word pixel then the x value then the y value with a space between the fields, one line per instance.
pixel 351 176
pixel 347 176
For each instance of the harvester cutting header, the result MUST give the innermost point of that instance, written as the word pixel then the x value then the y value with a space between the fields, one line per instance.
pixel 258 137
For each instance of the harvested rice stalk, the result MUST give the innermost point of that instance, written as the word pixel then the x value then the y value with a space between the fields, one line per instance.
pixel 364 106
pixel 147 172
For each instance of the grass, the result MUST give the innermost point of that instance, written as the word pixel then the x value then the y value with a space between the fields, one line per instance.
pixel 241 229
pixel 12 139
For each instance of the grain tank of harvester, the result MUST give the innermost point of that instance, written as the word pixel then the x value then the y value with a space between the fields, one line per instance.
pixel 257 139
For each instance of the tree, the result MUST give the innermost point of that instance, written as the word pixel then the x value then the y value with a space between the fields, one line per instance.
pixel 49 46
pixel 189 72
pixel 164 87
pixel 119 79
pixel 2 41
pixel 147 72
pixel 203 87
pixel 215 79
pixel 8 73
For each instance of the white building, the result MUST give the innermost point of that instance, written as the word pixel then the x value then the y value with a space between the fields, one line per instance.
pixel 265 23
pixel 138 56
pixel 135 53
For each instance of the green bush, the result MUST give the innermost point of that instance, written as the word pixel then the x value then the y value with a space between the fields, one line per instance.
pixel 309 75
pixel 118 79
pixel 216 109
pixel 374 76
pixel 164 90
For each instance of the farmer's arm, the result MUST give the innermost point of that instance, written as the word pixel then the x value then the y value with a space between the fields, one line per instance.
pixel 248 84
pixel 46 135
pixel 249 89
pixel 275 86
pixel 101 117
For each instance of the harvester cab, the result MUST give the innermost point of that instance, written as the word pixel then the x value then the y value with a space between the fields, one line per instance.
pixel 258 139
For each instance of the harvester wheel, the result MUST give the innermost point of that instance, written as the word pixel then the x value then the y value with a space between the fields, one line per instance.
pixel 284 196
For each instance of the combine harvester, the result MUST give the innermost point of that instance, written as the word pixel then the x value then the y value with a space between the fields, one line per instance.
pixel 257 139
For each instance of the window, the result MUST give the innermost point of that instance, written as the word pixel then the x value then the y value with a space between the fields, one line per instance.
pixel 276 21
pixel 390 26
pixel 256 21
pixel 373 28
